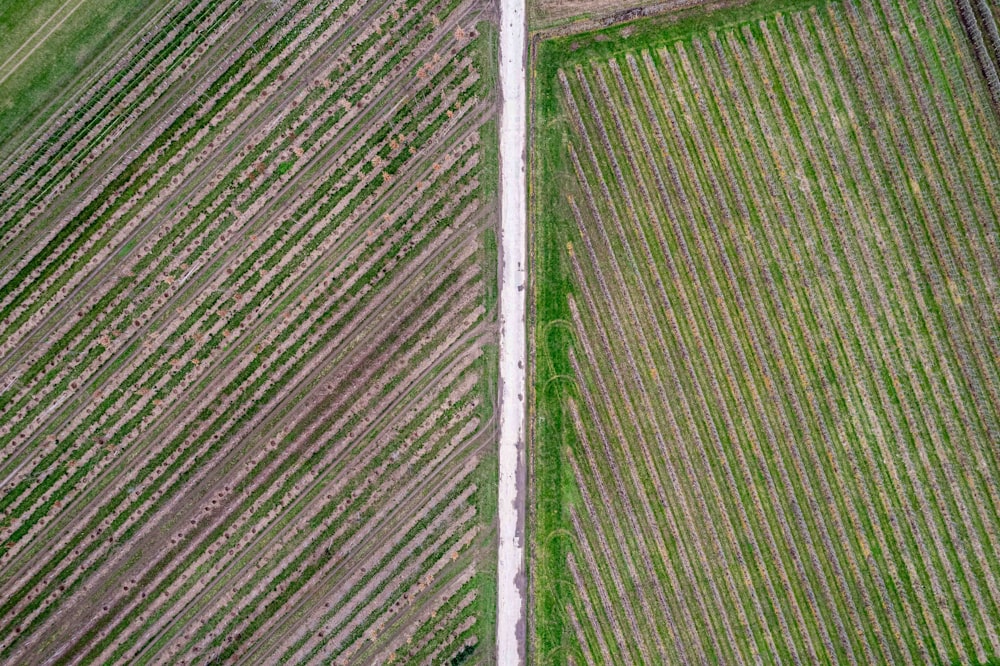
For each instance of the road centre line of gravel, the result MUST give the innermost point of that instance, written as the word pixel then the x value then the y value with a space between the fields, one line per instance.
pixel 511 618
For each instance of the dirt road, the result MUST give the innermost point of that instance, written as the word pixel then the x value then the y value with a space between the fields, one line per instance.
pixel 513 231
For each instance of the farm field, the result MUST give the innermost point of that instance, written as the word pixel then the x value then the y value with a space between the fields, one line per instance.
pixel 248 340
pixel 766 329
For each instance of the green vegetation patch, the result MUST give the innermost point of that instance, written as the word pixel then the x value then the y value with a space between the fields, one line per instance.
pixel 45 45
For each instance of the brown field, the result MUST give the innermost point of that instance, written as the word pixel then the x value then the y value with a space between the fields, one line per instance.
pixel 247 338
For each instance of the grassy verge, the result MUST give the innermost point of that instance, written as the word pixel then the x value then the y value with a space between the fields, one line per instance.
pixel 75 45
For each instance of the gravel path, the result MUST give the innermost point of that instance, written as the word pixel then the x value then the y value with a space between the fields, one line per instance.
pixel 510 569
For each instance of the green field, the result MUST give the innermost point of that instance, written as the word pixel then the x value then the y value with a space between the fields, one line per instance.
pixel 47 45
pixel 766 394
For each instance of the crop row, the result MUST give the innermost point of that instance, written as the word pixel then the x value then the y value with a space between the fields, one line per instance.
pixel 151 274
pixel 76 246
pixel 128 91
pixel 110 400
pixel 249 264
pixel 240 380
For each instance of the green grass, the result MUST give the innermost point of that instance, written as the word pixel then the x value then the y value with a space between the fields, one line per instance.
pixel 651 32
pixel 487 63
pixel 491 258
pixel 90 32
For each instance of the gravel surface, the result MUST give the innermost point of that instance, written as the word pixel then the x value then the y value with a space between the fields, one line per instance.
pixel 510 569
